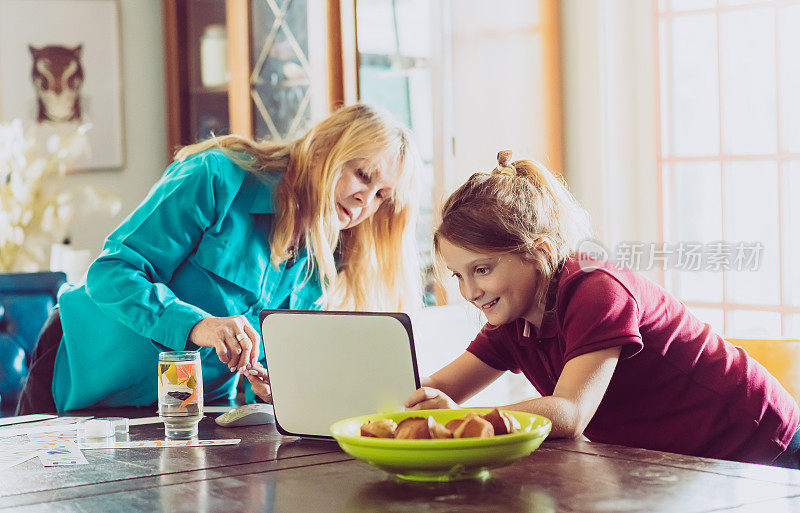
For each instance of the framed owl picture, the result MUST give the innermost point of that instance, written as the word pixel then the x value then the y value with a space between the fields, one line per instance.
pixel 60 70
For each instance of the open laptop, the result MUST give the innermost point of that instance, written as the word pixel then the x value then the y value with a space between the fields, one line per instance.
pixel 325 366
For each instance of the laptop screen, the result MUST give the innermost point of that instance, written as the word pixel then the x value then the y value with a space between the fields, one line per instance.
pixel 325 366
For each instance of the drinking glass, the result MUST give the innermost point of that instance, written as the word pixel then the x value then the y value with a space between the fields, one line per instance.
pixel 180 392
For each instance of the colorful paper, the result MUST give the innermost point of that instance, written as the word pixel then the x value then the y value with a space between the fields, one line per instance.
pixel 139 444
pixel 62 455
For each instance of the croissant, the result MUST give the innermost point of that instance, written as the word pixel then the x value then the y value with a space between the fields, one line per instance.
pixel 474 427
pixel 502 422
pixel 383 428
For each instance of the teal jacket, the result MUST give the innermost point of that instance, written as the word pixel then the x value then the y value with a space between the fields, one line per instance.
pixel 197 246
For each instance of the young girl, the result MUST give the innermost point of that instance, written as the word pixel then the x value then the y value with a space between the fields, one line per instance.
pixel 235 226
pixel 615 357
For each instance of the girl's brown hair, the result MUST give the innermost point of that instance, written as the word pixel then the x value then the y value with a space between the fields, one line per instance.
pixel 378 266
pixel 521 208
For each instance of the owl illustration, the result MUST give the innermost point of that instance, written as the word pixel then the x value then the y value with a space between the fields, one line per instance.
pixel 57 76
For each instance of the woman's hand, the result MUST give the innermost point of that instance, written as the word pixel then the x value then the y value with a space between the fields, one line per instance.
pixel 235 341
pixel 428 398
pixel 259 381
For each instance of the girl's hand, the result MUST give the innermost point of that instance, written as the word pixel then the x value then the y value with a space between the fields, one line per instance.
pixel 235 341
pixel 427 398
pixel 259 381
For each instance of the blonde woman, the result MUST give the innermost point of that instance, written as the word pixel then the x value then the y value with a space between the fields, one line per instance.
pixel 615 357
pixel 235 226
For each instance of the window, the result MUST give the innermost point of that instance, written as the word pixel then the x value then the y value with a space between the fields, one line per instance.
pixel 730 161
pixel 394 51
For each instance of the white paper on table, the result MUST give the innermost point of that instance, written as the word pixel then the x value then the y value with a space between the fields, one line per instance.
pixel 55 425
pixel 140 444
pixel 14 452
pixel 21 448
pixel 9 460
pixel 66 436
pixel 59 421
pixel 61 455
pixel 20 419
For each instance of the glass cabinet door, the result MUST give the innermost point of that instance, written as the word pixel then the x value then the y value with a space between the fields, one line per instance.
pixel 254 67
pixel 207 69
pixel 196 70
pixel 286 83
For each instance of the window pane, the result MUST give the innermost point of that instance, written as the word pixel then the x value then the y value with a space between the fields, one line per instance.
pixel 791 234
pixel 751 217
pixel 421 107
pixel 376 27
pixel 281 87
pixel 791 326
pixel 686 5
pixel 666 115
pixel 713 316
pixel 742 2
pixel 666 199
pixel 394 44
pixel 694 85
pixel 696 219
pixel 747 49
pixel 413 23
pixel 744 323
pixel 789 42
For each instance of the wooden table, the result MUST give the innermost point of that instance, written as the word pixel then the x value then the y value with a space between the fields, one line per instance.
pixel 268 472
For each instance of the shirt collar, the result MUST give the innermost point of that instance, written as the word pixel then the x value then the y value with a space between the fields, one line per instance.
pixel 549 326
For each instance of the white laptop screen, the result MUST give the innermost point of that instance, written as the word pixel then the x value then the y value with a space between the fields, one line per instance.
pixel 326 366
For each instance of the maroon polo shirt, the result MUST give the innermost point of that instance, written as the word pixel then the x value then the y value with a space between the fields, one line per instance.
pixel 678 386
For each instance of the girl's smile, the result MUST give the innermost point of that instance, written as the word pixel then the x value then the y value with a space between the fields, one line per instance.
pixel 488 306
pixel 502 285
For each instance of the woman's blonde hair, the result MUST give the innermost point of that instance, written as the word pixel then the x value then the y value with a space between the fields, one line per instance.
pixel 377 263
pixel 520 208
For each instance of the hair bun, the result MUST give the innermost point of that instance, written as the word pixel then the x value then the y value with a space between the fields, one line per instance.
pixel 503 166
pixel 503 157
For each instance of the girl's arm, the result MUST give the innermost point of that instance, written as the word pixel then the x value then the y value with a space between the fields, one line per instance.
pixel 455 383
pixel 577 394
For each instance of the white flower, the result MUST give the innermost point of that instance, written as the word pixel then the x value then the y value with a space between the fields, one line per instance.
pixel 35 209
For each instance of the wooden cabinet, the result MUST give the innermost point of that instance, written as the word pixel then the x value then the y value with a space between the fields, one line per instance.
pixel 257 68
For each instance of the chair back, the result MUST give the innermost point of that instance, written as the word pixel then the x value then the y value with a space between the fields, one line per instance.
pixel 26 300
pixel 781 357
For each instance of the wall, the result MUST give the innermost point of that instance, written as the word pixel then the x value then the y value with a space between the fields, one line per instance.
pixel 610 115
pixel 144 121
pixel 497 83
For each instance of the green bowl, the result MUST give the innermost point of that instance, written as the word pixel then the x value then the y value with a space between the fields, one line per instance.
pixel 446 459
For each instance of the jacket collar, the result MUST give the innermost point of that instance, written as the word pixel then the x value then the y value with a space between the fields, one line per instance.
pixel 264 189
